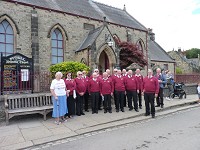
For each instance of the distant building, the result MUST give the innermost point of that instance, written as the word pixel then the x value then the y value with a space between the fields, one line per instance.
pixel 186 65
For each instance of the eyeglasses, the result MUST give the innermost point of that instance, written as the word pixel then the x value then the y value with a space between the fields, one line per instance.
pixel 96 71
pixel 80 74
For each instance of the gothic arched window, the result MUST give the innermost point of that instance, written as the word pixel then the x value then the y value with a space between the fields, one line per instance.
pixel 6 38
pixel 57 48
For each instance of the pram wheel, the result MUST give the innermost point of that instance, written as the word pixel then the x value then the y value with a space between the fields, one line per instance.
pixel 172 95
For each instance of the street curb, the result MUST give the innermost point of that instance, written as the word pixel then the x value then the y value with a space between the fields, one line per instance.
pixel 112 126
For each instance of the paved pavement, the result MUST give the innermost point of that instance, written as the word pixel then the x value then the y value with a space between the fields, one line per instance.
pixel 26 132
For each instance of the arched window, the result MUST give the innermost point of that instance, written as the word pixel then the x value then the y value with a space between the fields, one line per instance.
pixel 57 48
pixel 6 38
pixel 140 45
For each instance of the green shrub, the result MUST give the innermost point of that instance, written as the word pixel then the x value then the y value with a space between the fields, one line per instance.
pixel 178 70
pixel 70 66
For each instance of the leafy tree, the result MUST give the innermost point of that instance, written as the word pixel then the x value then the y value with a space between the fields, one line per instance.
pixel 192 53
pixel 70 66
pixel 129 54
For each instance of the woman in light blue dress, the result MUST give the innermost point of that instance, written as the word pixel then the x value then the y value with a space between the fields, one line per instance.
pixel 58 91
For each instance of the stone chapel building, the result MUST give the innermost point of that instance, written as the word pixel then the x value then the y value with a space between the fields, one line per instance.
pixel 52 31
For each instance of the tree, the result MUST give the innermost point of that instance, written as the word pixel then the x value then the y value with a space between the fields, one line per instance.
pixel 179 70
pixel 129 54
pixel 70 66
pixel 192 53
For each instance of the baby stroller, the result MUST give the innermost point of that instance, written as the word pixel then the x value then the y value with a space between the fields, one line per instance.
pixel 178 91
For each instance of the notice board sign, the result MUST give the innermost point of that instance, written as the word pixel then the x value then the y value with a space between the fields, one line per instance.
pixel 15 72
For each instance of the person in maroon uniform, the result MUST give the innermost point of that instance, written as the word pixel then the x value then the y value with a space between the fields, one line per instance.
pixel 131 86
pixel 124 75
pixel 106 90
pixel 140 86
pixel 150 90
pixel 99 77
pixel 119 88
pixel 80 91
pixel 114 75
pixel 94 92
pixel 71 85
pixel 86 95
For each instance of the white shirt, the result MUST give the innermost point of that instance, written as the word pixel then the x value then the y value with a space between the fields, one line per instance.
pixel 59 87
pixel 198 89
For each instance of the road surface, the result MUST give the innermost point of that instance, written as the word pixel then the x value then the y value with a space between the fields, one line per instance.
pixel 178 131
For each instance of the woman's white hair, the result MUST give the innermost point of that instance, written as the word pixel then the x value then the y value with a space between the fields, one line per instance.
pixel 58 73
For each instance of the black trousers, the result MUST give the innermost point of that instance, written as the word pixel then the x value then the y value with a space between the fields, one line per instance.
pixel 159 99
pixel 114 94
pixel 71 105
pixel 107 102
pixel 99 101
pixel 120 100
pixel 149 100
pixel 79 104
pixel 124 100
pixel 140 98
pixel 132 96
pixel 86 97
pixel 94 101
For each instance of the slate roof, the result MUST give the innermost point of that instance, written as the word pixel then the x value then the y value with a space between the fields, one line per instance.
pixel 157 53
pixel 92 36
pixel 89 9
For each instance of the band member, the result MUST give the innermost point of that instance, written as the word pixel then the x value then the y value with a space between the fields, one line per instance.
pixel 106 90
pixel 114 75
pixel 131 86
pixel 99 78
pixel 80 91
pixel 150 91
pixel 86 95
pixel 162 81
pixel 140 84
pixel 119 87
pixel 70 84
pixel 124 75
pixel 94 92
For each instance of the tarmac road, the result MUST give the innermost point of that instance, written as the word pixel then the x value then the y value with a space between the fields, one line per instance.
pixel 177 131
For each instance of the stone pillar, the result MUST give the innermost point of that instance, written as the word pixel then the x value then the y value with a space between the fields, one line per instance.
pixel 35 49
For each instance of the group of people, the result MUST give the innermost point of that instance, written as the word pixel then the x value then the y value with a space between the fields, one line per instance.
pixel 71 96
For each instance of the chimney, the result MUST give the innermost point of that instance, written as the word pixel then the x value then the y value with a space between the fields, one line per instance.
pixel 151 34
pixel 179 50
pixel 124 7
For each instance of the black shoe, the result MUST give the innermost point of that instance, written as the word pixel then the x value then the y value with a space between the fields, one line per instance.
pixel 87 110
pixel 162 106
pixel 82 113
pixel 157 106
pixel 153 116
pixel 110 111
pixel 136 110
pixel 100 108
pixel 92 112
pixel 96 112
pixel 147 114
pixel 105 111
pixel 122 110
pixel 140 107
pixel 78 114
pixel 117 110
pixel 130 109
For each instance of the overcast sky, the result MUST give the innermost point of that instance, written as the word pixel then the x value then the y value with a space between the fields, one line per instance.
pixel 176 23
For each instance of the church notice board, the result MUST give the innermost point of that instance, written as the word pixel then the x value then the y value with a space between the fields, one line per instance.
pixel 16 73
